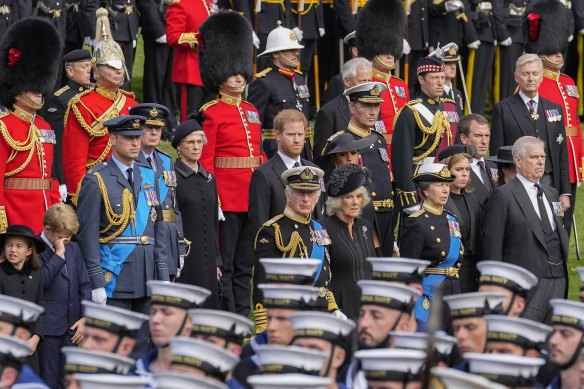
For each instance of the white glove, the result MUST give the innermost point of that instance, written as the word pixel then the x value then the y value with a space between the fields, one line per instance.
pixel 88 41
pixel 410 210
pixel 298 32
pixel 321 32
pixel 581 32
pixel 407 48
pixel 256 40
pixel 181 264
pixel 221 216
pixel 507 42
pixel 571 38
pixel 99 296
pixel 134 44
pixel 63 192
pixel 161 39
pixel 339 314
pixel 474 45
pixel 453 5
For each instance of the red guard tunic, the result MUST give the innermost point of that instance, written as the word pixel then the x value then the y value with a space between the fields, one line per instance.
pixel 183 19
pixel 86 140
pixel 562 90
pixel 394 98
pixel 27 188
pixel 452 117
pixel 232 152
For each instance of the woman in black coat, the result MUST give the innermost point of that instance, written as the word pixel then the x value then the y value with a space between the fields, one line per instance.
pixel 20 275
pixel 352 236
pixel 196 195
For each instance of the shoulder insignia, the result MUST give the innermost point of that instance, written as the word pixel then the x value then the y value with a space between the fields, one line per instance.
pixel 419 212
pixel 62 90
pixel 75 99
pixel 209 104
pixel 413 102
pixel 131 94
pixel 273 220
pixel 447 100
pixel 263 73
pixel 297 71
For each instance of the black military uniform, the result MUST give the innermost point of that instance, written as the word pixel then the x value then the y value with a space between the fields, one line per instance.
pixel 79 22
pixel 274 90
pixel 415 138
pixel 451 92
pixel 513 28
pixel 418 37
pixel 55 11
pixel 56 105
pixel 447 26
pixel 124 24
pixel 9 14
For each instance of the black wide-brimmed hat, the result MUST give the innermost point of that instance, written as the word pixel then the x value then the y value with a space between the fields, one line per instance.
pixel 25 232
pixel 346 179
pixel 504 156
pixel 342 142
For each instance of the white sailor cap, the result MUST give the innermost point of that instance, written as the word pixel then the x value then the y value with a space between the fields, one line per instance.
pixel 505 369
pixel 277 359
pixel 214 361
pixel 100 381
pixel 17 311
pixel 288 381
pixel 476 304
pixel 398 269
pixel 526 333
pixel 350 36
pixel 447 378
pixel 321 325
pixel 225 325
pixel 509 276
pixel 176 295
pixel 13 351
pixel 388 294
pixel 113 319
pixel 29 385
pixel 288 296
pixel 79 360
pixel 568 313
pixel 175 380
pixel 391 364
pixel 291 271
pixel 443 343
pixel 368 92
pixel 432 172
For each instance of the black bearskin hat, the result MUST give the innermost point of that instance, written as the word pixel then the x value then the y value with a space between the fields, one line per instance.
pixel 546 27
pixel 30 55
pixel 226 49
pixel 381 28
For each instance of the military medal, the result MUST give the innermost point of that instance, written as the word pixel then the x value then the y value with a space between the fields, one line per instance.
pixel 364 228
pixel 48 136
pixel 252 117
pixel 400 91
pixel 557 206
pixel 495 174
pixel 426 303
pixel 151 198
pixel 303 91
pixel 383 154
pixel 380 127
pixel 572 90
pixel 553 115
pixel 454 228
pixel 153 214
pixel 560 139
pixel 534 115
pixel 169 178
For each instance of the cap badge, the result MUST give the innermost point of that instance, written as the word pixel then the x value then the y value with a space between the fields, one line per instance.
pixel 136 123
pixel 445 172
pixel 375 91
pixel 153 112
pixel 307 174
pixel 452 51
pixel 292 37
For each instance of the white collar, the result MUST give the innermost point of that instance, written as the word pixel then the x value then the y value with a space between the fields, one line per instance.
pixel 526 183
pixel 289 162
pixel 526 99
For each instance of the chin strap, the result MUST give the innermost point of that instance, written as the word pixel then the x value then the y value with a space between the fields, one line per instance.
pixel 33 104
pixel 116 84
pixel 384 65
pixel 236 89
pixel 286 61
pixel 549 62
pixel 574 357
pixel 330 361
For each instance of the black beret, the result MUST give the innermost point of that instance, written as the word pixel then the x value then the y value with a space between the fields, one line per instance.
pixel 184 130
pixel 77 56
pixel 457 149
pixel 346 179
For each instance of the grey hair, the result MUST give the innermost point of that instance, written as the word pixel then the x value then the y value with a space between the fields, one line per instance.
pixel 350 67
pixel 520 146
pixel 333 204
pixel 525 59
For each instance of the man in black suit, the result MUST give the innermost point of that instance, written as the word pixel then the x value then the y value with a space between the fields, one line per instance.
pixel 335 114
pixel 473 129
pixel 526 113
pixel 522 225
pixel 266 188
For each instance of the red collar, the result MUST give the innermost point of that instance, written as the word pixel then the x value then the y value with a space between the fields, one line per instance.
pixel 286 72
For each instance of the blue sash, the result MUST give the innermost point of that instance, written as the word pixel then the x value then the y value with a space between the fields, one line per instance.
pixel 114 256
pixel 432 281
pixel 317 250
pixel 162 187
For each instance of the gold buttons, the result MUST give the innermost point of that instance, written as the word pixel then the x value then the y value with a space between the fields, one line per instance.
pixel 438 240
pixel 442 253
pixel 373 193
pixel 432 227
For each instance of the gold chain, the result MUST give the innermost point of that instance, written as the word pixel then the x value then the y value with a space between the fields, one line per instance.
pixel 295 241
pixel 102 156
pixel 29 145
pixel 439 125
pixel 114 219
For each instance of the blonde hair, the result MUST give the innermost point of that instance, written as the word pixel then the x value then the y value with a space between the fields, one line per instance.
pixel 333 204
pixel 288 116
pixel 61 218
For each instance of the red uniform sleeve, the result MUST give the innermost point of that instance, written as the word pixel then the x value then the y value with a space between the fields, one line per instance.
pixel 208 155
pixel 75 150
pixel 4 153
pixel 176 22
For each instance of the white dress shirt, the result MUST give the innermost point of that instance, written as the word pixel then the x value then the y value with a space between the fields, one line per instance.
pixel 532 193
pixel 289 162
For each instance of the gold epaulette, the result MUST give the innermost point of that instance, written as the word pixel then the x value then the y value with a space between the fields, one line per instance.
pixel 419 212
pixel 331 302
pixel 273 220
pixel 447 100
pixel 209 104
pixel 261 318
pixel 413 102
pixel 62 90
pixel 127 93
pixel 263 73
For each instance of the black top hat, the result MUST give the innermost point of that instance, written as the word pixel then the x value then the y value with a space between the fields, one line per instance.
pixel 504 156
pixel 155 114
pixel 25 232
pixel 184 130
pixel 343 142
pixel 346 179
pixel 129 125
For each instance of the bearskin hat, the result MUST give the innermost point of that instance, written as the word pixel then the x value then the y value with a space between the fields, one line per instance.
pixel 546 27
pixel 30 55
pixel 226 49
pixel 381 28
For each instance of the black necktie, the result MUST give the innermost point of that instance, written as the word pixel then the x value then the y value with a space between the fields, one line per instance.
pixel 531 105
pixel 546 226
pixel 151 163
pixel 130 178
pixel 485 176
pixel 296 164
